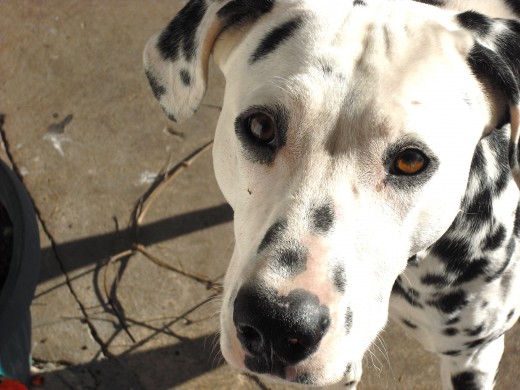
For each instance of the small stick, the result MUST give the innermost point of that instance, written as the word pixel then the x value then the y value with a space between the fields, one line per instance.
pixel 167 266
pixel 145 202
pixel 111 302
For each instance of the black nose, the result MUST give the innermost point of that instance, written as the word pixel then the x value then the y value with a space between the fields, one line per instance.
pixel 277 331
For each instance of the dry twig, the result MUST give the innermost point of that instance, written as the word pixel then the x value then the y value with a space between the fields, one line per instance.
pixel 164 178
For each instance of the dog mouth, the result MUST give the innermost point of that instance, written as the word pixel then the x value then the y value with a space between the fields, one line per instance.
pixel 271 368
pixel 271 365
pixel 275 369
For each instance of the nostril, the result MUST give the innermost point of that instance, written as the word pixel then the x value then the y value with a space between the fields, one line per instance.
pixel 294 346
pixel 250 338
pixel 286 328
pixel 248 332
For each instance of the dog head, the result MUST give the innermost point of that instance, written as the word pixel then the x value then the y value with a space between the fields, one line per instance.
pixel 344 147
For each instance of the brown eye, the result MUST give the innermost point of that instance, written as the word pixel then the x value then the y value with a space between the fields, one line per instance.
pixel 261 127
pixel 410 162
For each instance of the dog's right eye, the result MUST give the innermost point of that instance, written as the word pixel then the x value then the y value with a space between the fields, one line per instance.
pixel 261 131
pixel 261 127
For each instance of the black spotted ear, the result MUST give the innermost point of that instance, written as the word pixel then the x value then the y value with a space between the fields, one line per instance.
pixel 176 60
pixel 495 61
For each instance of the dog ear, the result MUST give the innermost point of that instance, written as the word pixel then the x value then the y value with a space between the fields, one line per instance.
pixel 495 61
pixel 176 59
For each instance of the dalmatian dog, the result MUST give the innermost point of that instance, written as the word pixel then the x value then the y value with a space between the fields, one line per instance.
pixel 369 151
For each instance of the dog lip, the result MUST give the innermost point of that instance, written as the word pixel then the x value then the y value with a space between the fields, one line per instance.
pixel 264 365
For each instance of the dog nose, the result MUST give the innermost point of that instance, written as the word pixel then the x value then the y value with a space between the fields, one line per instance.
pixel 279 330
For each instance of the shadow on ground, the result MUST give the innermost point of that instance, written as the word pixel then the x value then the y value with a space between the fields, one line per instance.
pixel 158 369
pixel 91 250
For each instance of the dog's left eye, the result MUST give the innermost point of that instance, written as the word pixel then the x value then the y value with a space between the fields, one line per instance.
pixel 409 162
pixel 261 127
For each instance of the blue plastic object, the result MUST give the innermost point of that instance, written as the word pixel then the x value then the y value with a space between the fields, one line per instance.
pixel 18 290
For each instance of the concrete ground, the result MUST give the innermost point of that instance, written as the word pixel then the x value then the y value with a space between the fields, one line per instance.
pixel 84 131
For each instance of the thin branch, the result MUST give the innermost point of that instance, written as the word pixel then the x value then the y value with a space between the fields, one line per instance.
pixel 114 304
pixel 165 177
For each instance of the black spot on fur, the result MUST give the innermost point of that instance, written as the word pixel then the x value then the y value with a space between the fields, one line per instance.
pixel 475 331
pixel 436 3
pixel 512 152
pixel 457 258
pixel 510 250
pixel 348 320
pixel 473 269
pixel 452 321
pixel 450 331
pixel 478 163
pixel 157 89
pixel 464 381
pixel 498 141
pixel 436 280
pixel 179 35
pixel 409 295
pixel 451 302
pixel 322 218
pixel 347 369
pixel 273 234
pixel 453 352
pixel 305 379
pixel 495 239
pixel 475 343
pixel 510 314
pixel 516 227
pixel 475 22
pixel 275 38
pixel 453 251
pixel 185 77
pixel 359 2
pixel 409 324
pixel 340 280
pixel 503 178
pixel 291 261
pixel 239 13
pixel 413 260
pixel 480 209
pixel 350 384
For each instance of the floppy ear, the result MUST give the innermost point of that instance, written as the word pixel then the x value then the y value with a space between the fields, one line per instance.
pixel 176 60
pixel 495 60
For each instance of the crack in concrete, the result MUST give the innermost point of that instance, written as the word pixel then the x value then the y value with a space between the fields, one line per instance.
pixel 92 329
pixel 16 170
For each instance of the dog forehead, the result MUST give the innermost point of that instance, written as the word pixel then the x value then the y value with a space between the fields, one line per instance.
pixel 351 61
pixel 307 29
pixel 355 45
